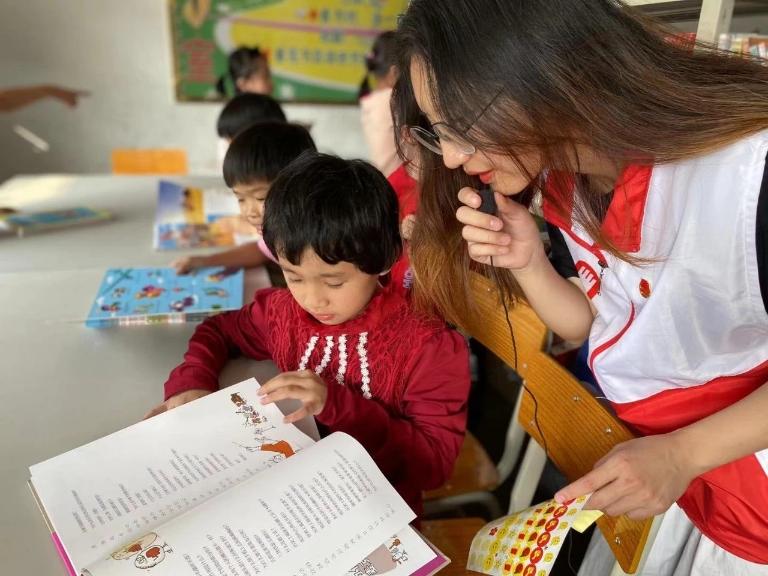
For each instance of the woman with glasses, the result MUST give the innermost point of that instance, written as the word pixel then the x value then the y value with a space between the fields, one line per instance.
pixel 650 160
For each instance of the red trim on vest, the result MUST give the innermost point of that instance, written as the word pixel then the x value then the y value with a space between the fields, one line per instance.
pixel 608 343
pixel 728 504
pixel 623 222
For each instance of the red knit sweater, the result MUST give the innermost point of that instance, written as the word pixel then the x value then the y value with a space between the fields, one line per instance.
pixel 418 376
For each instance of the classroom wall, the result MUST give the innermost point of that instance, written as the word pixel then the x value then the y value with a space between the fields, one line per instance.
pixel 120 51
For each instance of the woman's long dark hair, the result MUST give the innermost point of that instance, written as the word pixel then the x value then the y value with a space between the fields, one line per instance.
pixel 548 76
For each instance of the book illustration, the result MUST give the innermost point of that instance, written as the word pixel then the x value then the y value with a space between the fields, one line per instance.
pixel 403 554
pixel 397 551
pixel 526 543
pixel 259 423
pixel 189 217
pixel 148 551
pixel 220 275
pixel 132 295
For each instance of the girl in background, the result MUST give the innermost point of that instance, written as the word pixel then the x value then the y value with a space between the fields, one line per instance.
pixel 248 71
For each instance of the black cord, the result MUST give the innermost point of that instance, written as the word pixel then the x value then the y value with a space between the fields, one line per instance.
pixel 497 280
pixel 514 351
pixel 570 537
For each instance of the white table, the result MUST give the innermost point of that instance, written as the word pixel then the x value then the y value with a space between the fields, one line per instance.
pixel 125 241
pixel 64 384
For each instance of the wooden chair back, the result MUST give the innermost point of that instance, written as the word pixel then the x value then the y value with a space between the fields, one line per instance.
pixel 578 429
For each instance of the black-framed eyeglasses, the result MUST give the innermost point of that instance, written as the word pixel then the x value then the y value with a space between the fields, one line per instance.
pixel 441 132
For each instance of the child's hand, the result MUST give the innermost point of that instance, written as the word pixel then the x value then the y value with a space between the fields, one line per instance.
pixel 187 264
pixel 640 478
pixel 511 237
pixel 406 227
pixel 175 401
pixel 304 385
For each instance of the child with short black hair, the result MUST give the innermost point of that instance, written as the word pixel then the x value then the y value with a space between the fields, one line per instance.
pixel 353 352
pixel 252 162
pixel 245 110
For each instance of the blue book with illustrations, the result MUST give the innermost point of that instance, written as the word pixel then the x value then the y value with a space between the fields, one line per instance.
pixel 129 296
pixel 24 223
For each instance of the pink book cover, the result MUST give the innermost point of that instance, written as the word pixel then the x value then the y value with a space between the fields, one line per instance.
pixel 55 537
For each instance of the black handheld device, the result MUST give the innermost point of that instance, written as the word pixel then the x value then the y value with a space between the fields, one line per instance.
pixel 487 201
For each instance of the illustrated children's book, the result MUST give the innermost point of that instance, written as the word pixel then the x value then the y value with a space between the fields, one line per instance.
pixel 129 296
pixel 190 217
pixel 222 486
pixel 22 223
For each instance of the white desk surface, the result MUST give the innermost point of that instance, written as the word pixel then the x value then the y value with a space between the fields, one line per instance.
pixel 63 384
pixel 123 242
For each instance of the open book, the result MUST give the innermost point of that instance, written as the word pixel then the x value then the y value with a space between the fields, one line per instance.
pixel 189 217
pixel 222 486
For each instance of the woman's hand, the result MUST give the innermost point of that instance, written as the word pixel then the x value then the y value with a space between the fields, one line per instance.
pixel 304 385
pixel 175 401
pixel 511 236
pixel 640 478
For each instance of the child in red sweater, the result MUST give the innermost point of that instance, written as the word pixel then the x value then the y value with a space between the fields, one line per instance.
pixel 353 352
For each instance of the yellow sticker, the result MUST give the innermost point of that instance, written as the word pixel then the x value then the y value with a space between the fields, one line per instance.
pixel 585 519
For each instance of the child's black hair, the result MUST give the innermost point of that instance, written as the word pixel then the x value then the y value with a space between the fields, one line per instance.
pixel 344 210
pixel 261 151
pixel 247 109
pixel 241 63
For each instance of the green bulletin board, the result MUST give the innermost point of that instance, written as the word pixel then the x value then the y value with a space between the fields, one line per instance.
pixel 316 49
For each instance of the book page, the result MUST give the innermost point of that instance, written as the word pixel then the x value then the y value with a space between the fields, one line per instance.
pixel 219 203
pixel 404 554
pixel 320 510
pixel 117 488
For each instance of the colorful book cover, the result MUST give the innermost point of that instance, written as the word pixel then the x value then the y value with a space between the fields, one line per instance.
pixel 158 295
pixel 189 217
pixel 23 223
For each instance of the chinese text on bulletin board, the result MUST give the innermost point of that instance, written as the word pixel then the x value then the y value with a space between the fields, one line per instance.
pixel 316 48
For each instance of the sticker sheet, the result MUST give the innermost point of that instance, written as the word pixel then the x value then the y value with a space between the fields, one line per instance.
pixel 525 543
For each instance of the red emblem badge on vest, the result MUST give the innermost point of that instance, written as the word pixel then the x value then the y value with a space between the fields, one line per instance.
pixel 589 278
pixel 645 288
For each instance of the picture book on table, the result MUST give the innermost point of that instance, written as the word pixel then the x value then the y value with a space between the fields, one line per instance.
pixel 223 485
pixel 23 223
pixel 190 217
pixel 158 295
